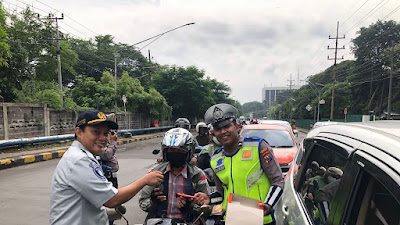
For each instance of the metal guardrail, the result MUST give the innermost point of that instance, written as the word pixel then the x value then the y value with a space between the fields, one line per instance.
pixel 23 141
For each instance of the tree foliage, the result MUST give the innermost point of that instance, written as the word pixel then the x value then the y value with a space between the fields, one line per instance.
pixel 189 94
pixel 361 84
pixel 39 92
pixel 5 53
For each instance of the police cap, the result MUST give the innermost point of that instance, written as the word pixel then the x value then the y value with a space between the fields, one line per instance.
pixel 220 115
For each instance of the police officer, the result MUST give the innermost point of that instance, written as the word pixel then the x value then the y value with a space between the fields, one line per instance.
pixel 245 166
pixel 79 188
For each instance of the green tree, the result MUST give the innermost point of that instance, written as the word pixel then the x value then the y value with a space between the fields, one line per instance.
pixel 24 35
pixel 47 68
pixel 5 53
pixel 370 81
pixel 186 91
pixel 39 92
pixel 91 94
pixel 257 109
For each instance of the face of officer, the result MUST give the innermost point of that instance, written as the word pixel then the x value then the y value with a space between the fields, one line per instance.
pixel 228 136
pixel 93 138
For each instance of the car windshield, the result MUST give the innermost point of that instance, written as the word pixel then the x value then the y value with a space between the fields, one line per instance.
pixel 275 138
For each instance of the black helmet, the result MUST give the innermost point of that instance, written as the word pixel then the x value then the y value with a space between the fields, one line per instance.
pixel 182 122
pixel 220 115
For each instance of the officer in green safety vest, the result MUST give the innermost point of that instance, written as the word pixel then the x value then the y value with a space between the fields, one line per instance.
pixel 244 166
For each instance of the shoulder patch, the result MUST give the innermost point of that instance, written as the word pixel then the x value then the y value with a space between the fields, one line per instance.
pixel 266 155
pixel 97 170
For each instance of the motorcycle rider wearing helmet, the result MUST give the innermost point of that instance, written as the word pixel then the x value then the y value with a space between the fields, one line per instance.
pixel 203 159
pixel 202 137
pixel 180 176
pixel 182 122
pixel 243 166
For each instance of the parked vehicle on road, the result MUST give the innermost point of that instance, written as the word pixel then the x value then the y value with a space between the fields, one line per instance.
pixel 357 180
pixel 281 123
pixel 280 138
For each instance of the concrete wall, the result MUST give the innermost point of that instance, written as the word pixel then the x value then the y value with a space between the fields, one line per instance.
pixel 36 120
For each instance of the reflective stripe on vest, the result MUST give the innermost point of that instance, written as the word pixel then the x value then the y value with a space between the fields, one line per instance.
pixel 242 174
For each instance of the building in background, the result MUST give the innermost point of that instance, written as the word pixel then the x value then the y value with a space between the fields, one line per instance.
pixel 271 94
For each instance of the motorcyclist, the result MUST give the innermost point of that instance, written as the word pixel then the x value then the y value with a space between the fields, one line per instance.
pixel 203 159
pixel 180 176
pixel 183 122
pixel 202 137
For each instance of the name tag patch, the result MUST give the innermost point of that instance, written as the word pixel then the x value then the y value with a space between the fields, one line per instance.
pixel 247 154
pixel 220 165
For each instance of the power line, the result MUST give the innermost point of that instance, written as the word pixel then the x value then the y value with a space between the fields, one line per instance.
pixel 69 18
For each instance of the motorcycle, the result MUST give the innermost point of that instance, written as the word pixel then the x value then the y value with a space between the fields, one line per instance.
pixel 118 212
pixel 207 215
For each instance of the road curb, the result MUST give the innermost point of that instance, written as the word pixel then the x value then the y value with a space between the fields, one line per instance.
pixel 44 156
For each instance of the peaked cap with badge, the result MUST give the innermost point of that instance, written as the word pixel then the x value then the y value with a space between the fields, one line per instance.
pixel 220 115
pixel 94 117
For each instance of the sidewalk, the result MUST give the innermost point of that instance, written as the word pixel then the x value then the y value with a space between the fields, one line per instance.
pixel 11 159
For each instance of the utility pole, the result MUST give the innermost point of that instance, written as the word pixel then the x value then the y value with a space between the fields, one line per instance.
pixel 58 51
pixel 334 67
pixel 390 83
pixel 290 97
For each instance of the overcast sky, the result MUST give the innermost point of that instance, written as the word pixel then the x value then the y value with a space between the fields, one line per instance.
pixel 246 44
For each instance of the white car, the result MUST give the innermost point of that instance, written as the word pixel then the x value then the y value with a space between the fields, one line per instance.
pixel 345 173
pixel 278 122
pixel 324 123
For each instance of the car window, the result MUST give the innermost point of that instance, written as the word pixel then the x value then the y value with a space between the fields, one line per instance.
pixel 275 138
pixel 320 179
pixel 374 204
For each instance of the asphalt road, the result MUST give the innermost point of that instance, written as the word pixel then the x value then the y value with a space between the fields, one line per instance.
pixel 25 190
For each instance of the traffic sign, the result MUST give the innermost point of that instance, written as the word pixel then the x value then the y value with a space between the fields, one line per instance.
pixel 345 111
pixel 308 107
pixel 124 98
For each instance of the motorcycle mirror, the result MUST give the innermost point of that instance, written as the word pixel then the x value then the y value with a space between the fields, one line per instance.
pixel 156 151
pixel 206 209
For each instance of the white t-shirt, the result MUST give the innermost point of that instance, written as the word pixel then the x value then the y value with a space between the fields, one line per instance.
pixel 79 189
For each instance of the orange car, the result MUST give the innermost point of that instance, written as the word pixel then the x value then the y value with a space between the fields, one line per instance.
pixel 280 138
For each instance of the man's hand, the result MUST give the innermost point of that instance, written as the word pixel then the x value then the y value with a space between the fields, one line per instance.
pixel 267 209
pixel 159 159
pixel 182 202
pixel 201 199
pixel 114 137
pixel 154 178
pixel 193 160
pixel 157 195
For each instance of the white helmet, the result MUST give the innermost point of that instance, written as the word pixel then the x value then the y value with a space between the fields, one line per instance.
pixel 178 138
pixel 200 124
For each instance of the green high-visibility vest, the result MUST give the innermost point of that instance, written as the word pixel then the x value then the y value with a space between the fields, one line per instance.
pixel 242 174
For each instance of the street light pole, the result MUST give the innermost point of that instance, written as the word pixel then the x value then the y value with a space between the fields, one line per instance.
pixel 116 54
pixel 318 93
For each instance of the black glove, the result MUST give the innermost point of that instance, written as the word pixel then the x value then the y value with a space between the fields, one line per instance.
pixel 156 192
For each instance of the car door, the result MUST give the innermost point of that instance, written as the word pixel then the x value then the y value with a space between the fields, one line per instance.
pixel 297 205
pixel 372 193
